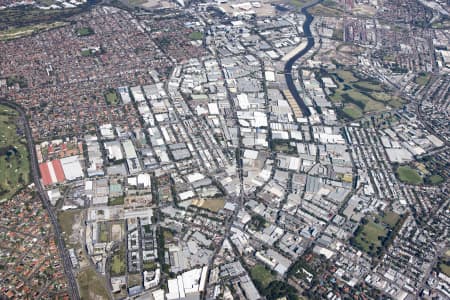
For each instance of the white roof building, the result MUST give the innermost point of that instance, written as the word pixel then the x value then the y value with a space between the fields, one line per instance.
pixel 188 284
pixel 72 167
pixel 128 147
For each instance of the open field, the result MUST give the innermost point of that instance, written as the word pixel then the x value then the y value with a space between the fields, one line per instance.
pixel 111 98
pixel 134 279
pixel 435 179
pixel 196 36
pixel 67 219
pixel 422 79
pixel 262 276
pixel 14 163
pixel 103 232
pixel 118 264
pixel 167 234
pixel 390 218
pixel 117 231
pixel 136 2
pixel 18 32
pixel 445 268
pixel 283 146
pixel 299 3
pixel 116 201
pixel 376 233
pixel 91 286
pixel 409 175
pixel 359 96
pixel 214 204
pixel 326 8
pixel 84 31
pixel 353 111
pixel 370 236
pixel 368 86
pixel 22 16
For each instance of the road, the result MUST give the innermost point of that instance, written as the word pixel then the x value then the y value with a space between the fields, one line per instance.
pixel 73 289
pixel 240 199
pixel 292 60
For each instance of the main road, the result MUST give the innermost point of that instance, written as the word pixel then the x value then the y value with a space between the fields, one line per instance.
pixel 293 59
pixel 73 290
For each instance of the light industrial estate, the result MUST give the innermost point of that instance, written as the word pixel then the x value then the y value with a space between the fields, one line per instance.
pixel 225 149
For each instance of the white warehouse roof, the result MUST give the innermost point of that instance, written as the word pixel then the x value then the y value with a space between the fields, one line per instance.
pixel 72 167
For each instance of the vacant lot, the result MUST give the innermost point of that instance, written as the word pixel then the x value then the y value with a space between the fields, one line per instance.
pixel 134 279
pixel 67 220
pixel 409 175
pixel 14 164
pixel 91 286
pixel 213 205
pixel 117 231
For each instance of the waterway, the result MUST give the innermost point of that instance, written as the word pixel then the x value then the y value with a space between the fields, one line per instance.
pixel 293 59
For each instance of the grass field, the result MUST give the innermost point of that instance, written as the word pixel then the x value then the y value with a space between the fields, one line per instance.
pixel 261 275
pixel 353 111
pixel 116 201
pixel 18 32
pixel 328 8
pixel 377 232
pixel 369 86
pixel 86 52
pixel 409 175
pixel 118 265
pixel 26 16
pixel 196 36
pixel 444 268
pixel 422 79
pixel 85 31
pixel 299 3
pixel 360 96
pixel 91 286
pixel 390 218
pixel 111 98
pixel 369 238
pixel 136 2
pixel 435 179
pixel 14 163
pixel 103 234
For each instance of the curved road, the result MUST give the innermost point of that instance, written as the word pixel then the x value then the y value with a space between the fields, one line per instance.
pixel 292 60
pixel 73 290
